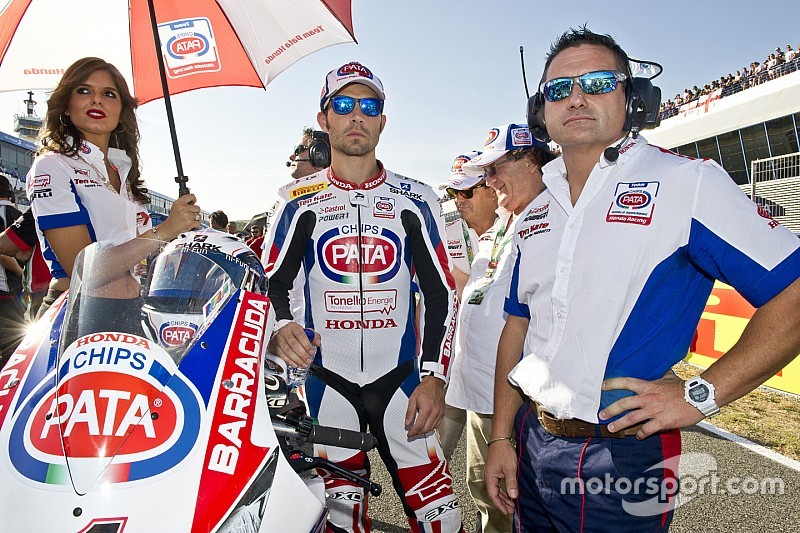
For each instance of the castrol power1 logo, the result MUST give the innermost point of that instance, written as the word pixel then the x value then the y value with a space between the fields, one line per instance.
pixel 189 47
pixel 379 256
pixel 120 401
pixel 633 203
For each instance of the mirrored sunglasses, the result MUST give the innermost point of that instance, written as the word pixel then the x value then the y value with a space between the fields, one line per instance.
pixel 465 193
pixel 344 105
pixel 598 82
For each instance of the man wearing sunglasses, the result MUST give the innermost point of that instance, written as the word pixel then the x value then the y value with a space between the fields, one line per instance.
pixel 363 236
pixel 300 161
pixel 509 171
pixel 627 241
pixel 476 204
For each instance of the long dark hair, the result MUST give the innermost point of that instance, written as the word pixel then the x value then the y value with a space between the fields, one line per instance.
pixel 57 130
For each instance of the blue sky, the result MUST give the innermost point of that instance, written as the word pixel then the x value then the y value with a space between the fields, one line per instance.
pixel 451 72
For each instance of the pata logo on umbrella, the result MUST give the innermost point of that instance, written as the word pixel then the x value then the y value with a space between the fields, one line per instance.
pixel 189 47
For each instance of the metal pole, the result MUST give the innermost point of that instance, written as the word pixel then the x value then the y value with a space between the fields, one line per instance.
pixel 180 179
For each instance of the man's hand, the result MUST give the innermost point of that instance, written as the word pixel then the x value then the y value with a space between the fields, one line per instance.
pixel 425 407
pixel 291 344
pixel 659 402
pixel 501 465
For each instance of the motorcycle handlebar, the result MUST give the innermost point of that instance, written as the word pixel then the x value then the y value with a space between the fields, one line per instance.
pixel 343 438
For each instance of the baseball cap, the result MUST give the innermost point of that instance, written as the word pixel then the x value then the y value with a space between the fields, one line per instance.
pixel 458 179
pixel 500 141
pixel 353 72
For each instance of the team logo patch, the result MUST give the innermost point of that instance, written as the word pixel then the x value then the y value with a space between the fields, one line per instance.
pixel 189 47
pixel 340 258
pixel 305 190
pixel 176 333
pixel 521 137
pixel 120 408
pixel 537 213
pixel 42 180
pixel 383 207
pixel 764 212
pixel 458 163
pixel 493 134
pixel 85 149
pixel 633 203
pixel 354 68
pixel 372 301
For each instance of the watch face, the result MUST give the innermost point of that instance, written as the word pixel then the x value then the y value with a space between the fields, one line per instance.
pixel 698 393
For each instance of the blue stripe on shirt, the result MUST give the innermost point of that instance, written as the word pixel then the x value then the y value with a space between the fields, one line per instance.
pixel 659 330
pixel 512 305
pixel 729 265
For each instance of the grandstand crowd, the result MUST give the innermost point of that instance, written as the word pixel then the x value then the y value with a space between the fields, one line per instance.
pixel 778 63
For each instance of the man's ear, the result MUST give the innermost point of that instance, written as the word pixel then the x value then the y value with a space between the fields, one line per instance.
pixel 383 123
pixel 322 120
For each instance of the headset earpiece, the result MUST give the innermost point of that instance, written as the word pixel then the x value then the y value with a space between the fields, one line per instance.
pixel 319 150
pixel 642 102
pixel 535 115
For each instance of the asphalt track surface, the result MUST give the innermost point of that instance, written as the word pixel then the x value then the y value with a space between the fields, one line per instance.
pixel 700 512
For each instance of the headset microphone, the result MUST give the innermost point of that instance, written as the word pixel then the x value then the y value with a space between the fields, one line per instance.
pixel 299 159
pixel 612 152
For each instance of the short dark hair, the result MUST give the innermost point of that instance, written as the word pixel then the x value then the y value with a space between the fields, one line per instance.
pixel 219 219
pixel 5 188
pixel 577 37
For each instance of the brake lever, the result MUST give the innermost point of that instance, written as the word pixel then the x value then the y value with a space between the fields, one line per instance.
pixel 302 462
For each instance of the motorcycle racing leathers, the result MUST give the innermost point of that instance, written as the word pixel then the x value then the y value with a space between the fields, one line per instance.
pixel 363 249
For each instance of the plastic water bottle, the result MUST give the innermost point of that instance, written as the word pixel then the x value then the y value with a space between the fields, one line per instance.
pixel 297 376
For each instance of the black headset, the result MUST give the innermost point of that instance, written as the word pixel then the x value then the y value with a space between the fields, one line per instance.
pixel 319 151
pixel 642 103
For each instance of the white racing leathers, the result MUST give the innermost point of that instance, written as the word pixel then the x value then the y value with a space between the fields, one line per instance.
pixel 364 249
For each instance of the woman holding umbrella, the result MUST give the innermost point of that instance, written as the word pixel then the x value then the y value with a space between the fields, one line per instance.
pixel 85 184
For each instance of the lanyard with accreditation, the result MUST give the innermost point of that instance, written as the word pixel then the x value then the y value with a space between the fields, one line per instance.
pixel 501 240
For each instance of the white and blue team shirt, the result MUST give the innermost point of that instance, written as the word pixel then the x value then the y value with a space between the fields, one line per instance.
pixel 67 191
pixel 615 285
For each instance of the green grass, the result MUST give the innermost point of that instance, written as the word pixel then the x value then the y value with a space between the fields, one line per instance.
pixel 766 417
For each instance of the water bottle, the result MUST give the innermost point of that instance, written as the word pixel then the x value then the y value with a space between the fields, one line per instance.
pixel 297 376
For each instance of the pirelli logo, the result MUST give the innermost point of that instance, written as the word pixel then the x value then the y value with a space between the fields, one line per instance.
pixel 308 189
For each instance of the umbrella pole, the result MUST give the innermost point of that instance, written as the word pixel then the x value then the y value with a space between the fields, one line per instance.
pixel 180 179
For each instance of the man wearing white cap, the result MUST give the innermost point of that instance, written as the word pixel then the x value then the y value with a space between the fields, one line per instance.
pixel 362 235
pixel 511 165
pixel 476 203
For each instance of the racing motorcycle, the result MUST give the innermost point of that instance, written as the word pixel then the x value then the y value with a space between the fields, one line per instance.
pixel 152 409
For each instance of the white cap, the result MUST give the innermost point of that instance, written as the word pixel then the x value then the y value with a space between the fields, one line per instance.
pixel 458 179
pixel 500 141
pixel 352 72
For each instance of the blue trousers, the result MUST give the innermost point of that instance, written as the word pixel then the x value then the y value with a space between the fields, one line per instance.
pixel 594 484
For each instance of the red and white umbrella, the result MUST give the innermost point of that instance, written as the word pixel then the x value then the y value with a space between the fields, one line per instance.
pixel 203 43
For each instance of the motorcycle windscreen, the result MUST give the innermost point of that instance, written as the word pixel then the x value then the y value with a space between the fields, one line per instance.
pixel 121 410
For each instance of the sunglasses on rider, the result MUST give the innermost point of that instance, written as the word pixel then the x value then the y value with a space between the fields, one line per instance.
pixel 598 82
pixel 344 105
pixel 465 193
